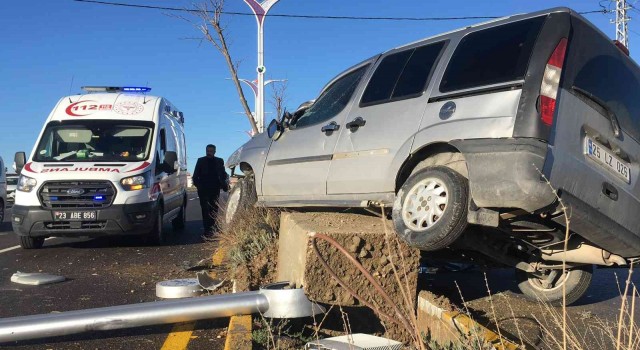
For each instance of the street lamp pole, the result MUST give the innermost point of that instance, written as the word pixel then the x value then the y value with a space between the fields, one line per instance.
pixel 260 9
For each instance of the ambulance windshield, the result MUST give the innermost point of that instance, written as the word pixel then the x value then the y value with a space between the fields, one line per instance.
pixel 95 140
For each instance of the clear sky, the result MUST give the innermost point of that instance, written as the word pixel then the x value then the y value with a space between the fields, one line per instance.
pixel 47 42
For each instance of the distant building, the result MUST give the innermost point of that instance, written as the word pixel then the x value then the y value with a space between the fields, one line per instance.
pixel 189 180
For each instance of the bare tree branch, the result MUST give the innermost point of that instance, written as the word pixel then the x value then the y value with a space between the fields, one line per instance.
pixel 208 16
pixel 278 96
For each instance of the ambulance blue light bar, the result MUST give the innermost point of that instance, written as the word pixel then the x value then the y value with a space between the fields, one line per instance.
pixel 136 89
pixel 139 89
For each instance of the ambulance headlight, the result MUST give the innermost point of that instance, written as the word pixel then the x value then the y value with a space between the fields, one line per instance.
pixel 136 182
pixel 26 184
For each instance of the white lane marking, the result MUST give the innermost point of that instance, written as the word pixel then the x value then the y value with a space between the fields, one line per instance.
pixel 16 247
pixel 192 199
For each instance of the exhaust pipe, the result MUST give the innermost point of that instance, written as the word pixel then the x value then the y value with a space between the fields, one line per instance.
pixel 276 300
pixel 583 253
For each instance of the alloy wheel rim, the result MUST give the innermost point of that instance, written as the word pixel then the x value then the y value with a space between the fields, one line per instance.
pixel 425 204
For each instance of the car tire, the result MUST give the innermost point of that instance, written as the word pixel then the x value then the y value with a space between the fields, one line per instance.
pixel 31 242
pixel 577 282
pixel 179 222
pixel 430 210
pixel 156 235
pixel 241 197
pixel 2 211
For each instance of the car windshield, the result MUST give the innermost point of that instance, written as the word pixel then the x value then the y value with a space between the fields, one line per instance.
pixel 94 140
pixel 12 181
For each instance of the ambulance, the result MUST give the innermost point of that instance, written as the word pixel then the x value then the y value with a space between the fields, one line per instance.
pixel 111 161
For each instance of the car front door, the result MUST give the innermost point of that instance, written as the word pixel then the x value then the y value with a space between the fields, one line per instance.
pixel 298 162
pixel 382 125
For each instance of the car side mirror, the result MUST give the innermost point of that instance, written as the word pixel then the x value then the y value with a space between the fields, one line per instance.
pixel 170 162
pixel 275 128
pixel 19 160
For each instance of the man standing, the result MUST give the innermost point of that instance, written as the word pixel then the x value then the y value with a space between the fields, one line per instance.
pixel 210 177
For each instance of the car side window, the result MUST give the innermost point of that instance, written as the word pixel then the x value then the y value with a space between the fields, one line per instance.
pixel 333 100
pixel 402 75
pixel 491 56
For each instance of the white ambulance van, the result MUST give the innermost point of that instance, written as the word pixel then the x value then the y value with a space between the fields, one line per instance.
pixel 112 161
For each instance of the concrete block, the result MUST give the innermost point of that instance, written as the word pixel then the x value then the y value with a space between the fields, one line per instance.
pixel 364 237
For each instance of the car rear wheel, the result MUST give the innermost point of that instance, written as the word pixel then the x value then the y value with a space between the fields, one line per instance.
pixel 241 197
pixel 31 242
pixel 1 212
pixel 548 287
pixel 430 210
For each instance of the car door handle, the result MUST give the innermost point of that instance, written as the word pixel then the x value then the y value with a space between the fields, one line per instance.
pixel 333 126
pixel 355 124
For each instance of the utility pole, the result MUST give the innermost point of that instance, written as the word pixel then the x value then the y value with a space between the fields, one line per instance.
pixel 260 9
pixel 622 32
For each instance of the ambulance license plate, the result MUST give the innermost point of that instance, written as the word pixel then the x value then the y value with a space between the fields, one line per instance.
pixel 75 215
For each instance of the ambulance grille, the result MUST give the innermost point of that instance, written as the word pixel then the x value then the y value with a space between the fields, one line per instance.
pixel 77 194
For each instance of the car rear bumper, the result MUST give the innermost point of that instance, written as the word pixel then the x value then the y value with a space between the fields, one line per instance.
pixel 121 219
pixel 506 173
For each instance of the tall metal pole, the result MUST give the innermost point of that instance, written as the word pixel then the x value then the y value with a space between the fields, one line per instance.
pixel 276 300
pixel 622 32
pixel 260 10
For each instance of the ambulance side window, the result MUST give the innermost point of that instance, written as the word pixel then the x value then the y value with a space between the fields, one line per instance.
pixel 184 152
pixel 170 137
pixel 160 149
pixel 163 141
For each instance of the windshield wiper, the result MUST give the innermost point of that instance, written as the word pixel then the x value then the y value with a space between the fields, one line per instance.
pixel 615 124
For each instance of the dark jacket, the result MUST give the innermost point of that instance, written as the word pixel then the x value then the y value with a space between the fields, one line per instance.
pixel 210 175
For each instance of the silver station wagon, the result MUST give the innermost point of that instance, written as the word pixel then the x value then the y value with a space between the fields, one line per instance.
pixel 480 142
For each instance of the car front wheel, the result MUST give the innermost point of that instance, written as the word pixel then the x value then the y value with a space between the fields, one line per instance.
pixel 156 235
pixel 179 222
pixel 430 210
pixel 31 242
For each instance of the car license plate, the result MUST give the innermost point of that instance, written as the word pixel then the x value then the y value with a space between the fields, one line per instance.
pixel 75 215
pixel 604 157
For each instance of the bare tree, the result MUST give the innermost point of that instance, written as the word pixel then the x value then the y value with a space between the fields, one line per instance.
pixel 278 96
pixel 208 15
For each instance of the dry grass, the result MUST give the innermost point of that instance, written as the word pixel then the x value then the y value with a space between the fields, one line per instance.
pixel 250 242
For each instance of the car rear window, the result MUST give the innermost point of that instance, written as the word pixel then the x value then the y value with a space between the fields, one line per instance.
pixel 402 75
pixel 596 66
pixel 492 56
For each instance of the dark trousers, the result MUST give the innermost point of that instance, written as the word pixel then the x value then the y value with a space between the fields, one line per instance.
pixel 209 206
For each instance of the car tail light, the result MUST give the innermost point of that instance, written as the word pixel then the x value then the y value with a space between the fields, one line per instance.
pixel 551 82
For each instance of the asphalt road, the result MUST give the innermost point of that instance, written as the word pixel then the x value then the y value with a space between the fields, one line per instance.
pixel 117 271
pixel 104 272
pixel 592 320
